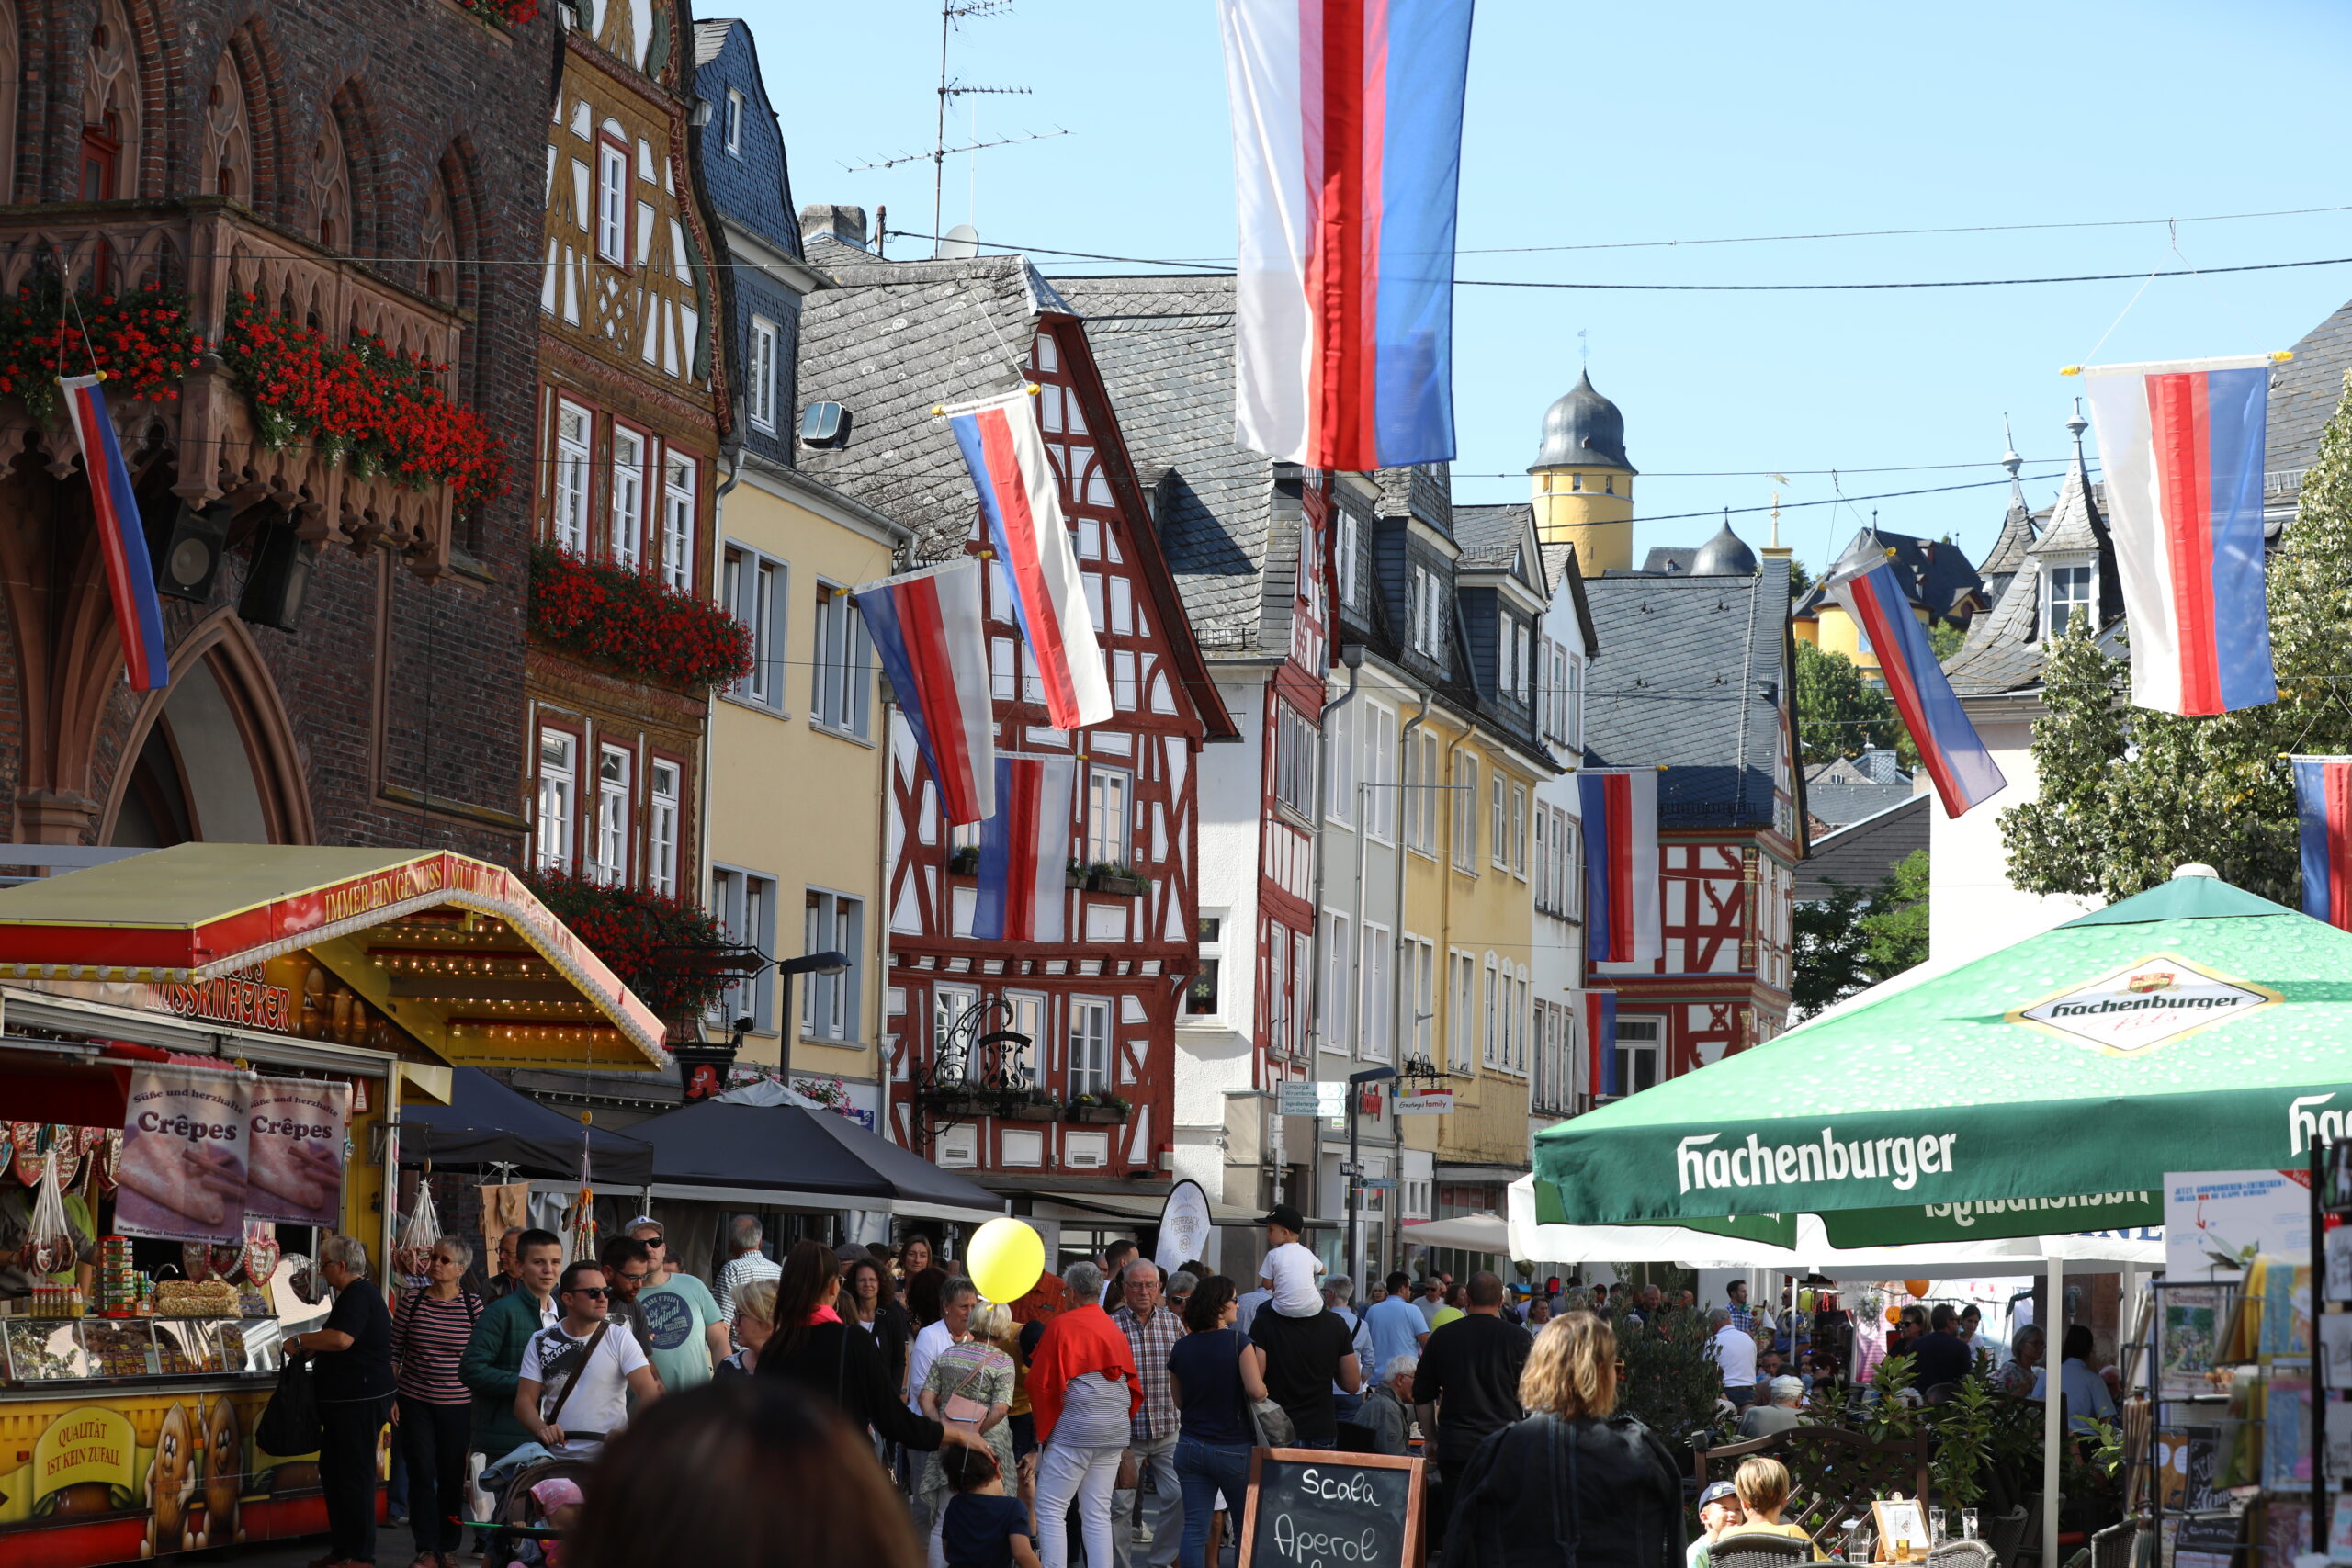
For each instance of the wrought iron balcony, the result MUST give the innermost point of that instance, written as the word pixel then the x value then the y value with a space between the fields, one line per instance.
pixel 210 251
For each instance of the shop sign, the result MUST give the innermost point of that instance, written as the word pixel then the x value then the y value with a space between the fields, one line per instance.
pixel 84 1447
pixel 2146 1003
pixel 245 999
pixel 1315 1098
pixel 185 1134
pixel 1432 1102
pixel 296 1164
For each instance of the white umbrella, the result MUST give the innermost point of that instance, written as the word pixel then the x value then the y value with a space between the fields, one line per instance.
pixel 1469 1233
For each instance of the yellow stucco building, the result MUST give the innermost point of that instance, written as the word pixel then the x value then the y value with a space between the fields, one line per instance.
pixel 796 776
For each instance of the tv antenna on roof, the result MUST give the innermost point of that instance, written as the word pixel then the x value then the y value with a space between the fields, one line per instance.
pixel 950 13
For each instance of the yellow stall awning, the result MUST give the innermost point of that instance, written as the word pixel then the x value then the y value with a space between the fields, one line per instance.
pixel 458 952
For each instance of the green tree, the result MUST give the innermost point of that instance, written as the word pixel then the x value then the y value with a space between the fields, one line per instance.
pixel 1859 936
pixel 1840 714
pixel 2128 795
pixel 1800 579
pixel 1945 639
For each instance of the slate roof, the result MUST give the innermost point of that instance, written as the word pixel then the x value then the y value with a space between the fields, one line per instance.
pixel 2005 649
pixel 1560 570
pixel 892 341
pixel 1690 673
pixel 1862 852
pixel 2016 538
pixel 1935 575
pixel 1165 348
pixel 2304 392
pixel 1489 534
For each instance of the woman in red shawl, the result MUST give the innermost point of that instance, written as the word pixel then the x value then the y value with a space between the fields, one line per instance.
pixel 1084 1389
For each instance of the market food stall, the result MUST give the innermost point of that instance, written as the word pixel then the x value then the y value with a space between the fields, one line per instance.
pixel 203 1055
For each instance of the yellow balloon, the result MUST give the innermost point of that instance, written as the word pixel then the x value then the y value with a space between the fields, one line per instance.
pixel 1006 1259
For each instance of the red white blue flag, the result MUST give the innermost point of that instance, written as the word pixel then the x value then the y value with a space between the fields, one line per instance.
pixel 1963 769
pixel 1021 499
pixel 1025 850
pixel 932 636
pixel 2181 446
pixel 122 541
pixel 1347 153
pixel 2324 806
pixel 1620 811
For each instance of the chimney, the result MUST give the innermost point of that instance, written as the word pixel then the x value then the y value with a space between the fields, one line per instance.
pixel 846 224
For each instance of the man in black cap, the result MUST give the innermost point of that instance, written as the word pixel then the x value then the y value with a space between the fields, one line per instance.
pixel 1308 1347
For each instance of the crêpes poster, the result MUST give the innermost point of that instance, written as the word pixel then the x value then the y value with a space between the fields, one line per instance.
pixel 184 1149
pixel 295 1171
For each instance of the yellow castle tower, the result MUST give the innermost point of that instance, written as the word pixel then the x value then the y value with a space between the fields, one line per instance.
pixel 1583 483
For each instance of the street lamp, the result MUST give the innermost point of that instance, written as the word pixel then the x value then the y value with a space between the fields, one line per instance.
pixel 808 964
pixel 1355 1170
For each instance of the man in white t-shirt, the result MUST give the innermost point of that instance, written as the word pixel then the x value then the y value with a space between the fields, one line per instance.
pixel 577 1374
pixel 1735 1353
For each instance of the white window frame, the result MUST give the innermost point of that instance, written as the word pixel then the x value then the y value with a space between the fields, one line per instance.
pixel 1498 818
pixel 950 1003
pixel 832 922
pixel 574 455
pixel 627 534
pixel 842 683
pixel 1211 944
pixel 679 483
pixel 558 776
pixel 663 799
pixel 761 374
pixel 1295 759
pixel 1380 805
pixel 609 864
pixel 2069 593
pixel 612 200
pixel 1278 997
pixel 1461 1024
pixel 1090 1046
pixel 1339 985
pixel 1652 1049
pixel 744 903
pixel 1421 994
pixel 755 587
pixel 1464 817
pixel 734 122
pixel 1341 735
pixel 1344 547
pixel 1425 820
pixel 1489 1042
pixel 1373 1037
pixel 1109 791
pixel 1518 831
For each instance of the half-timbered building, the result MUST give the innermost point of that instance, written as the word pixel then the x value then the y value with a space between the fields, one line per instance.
pixel 1045 1070
pixel 1694 677
pixel 631 409
pixel 1246 538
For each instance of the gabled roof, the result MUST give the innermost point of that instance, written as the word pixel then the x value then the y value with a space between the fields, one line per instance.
pixel 1165 347
pixel 1561 571
pixel 2304 392
pixel 1859 853
pixel 1497 539
pixel 2005 647
pixel 1691 674
pixel 892 341
pixel 1935 575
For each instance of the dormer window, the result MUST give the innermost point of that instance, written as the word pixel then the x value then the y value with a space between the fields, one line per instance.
pixel 735 122
pixel 2067 596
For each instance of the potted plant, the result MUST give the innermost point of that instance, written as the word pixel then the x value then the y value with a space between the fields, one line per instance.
pixel 1032 1105
pixel 1074 876
pixel 1101 1107
pixel 965 862
pixel 1106 877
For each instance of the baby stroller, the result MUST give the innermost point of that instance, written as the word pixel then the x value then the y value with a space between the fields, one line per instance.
pixel 522 1532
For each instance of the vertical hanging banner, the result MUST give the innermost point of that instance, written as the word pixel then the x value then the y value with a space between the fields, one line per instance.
pixel 1025 850
pixel 123 540
pixel 1021 499
pixel 294 1169
pixel 185 1141
pixel 2181 449
pixel 930 631
pixel 2324 813
pixel 1619 810
pixel 1347 155
pixel 1604 1045
pixel 1963 769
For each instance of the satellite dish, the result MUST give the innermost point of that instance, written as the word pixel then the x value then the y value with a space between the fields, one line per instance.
pixel 960 243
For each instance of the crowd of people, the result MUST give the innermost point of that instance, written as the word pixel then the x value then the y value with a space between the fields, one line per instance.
pixel 1115 1425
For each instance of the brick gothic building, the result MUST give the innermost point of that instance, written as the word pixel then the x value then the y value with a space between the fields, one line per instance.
pixel 355 163
pixel 631 407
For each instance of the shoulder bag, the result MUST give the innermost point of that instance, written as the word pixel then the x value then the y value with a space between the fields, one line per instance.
pixel 290 1424
pixel 555 1417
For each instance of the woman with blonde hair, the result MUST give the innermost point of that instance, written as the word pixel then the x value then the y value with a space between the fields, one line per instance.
pixel 1573 1482
pixel 754 1326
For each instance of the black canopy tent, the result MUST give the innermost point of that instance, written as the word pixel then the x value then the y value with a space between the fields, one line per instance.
pixel 788 1156
pixel 487 1123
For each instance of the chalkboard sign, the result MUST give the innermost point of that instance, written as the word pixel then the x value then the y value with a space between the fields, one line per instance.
pixel 1312 1508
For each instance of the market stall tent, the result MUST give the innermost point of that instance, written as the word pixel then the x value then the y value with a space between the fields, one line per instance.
pixel 487 1123
pixel 787 1157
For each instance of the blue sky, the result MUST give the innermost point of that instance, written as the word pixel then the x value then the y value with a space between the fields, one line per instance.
pixel 1607 125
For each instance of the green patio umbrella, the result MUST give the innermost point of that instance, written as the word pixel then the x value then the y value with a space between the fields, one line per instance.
pixel 2046 1087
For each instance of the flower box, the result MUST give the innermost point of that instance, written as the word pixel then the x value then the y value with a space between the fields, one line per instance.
pixel 964 860
pixel 1123 885
pixel 1026 1110
pixel 1109 1108
pixel 634 624
pixel 957 1100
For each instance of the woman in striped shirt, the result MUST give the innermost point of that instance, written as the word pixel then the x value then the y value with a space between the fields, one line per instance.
pixel 435 1409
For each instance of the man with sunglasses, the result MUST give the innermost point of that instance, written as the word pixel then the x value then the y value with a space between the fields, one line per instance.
pixel 628 1269
pixel 578 1376
pixel 686 1336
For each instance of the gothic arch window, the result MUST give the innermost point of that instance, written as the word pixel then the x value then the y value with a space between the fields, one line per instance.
pixel 228 168
pixel 439 246
pixel 330 187
pixel 110 108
